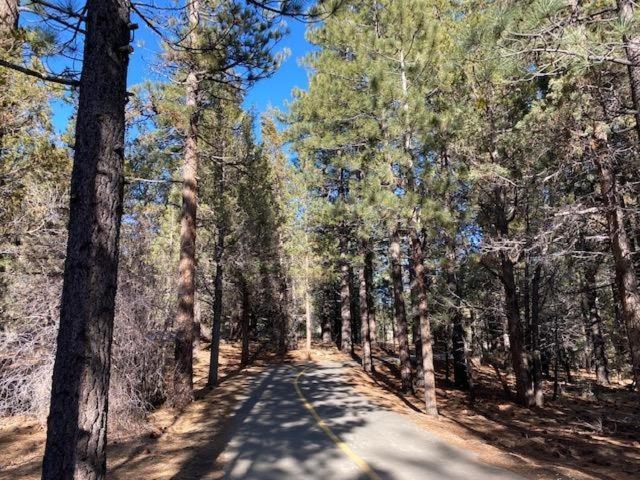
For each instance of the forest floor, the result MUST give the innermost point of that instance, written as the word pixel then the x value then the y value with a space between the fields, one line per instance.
pixel 160 449
pixel 588 432
pixel 585 434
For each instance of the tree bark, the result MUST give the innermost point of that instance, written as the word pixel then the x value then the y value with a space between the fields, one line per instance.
pixel 538 391
pixel 216 324
pixel 400 312
pixel 371 309
pixel 217 311
pixel 426 357
pixel 77 422
pixel 307 311
pixel 594 325
pixel 308 323
pixel 244 321
pixel 183 378
pixel 283 316
pixel 9 14
pixel 364 319
pixel 346 345
pixel 625 273
pixel 519 358
pixel 626 15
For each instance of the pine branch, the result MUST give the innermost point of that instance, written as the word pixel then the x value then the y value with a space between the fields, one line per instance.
pixel 42 76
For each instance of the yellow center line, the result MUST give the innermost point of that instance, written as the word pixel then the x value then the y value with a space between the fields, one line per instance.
pixel 362 465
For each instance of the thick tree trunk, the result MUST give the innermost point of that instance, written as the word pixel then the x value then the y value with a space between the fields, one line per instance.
pixel 625 273
pixel 183 378
pixel 519 358
pixel 346 344
pixel 77 422
pixel 594 325
pixel 371 309
pixel 354 297
pixel 402 335
pixel 426 343
pixel 418 378
pixel 626 15
pixel 364 319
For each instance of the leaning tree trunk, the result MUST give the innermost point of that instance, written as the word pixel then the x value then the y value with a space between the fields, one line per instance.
pixel 625 273
pixel 184 325
pixel 426 342
pixel 400 311
pixel 626 15
pixel 77 422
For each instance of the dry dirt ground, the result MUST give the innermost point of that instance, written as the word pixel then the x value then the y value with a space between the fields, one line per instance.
pixel 164 449
pixel 587 433
pixel 578 436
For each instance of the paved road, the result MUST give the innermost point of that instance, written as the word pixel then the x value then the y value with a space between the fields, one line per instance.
pixel 278 438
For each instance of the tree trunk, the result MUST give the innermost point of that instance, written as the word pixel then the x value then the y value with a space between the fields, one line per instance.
pixel 626 15
pixel 183 378
pixel 354 297
pixel 217 313
pixel 327 314
pixel 371 309
pixel 625 273
pixel 244 321
pixel 77 422
pixel 217 288
pixel 283 314
pixel 426 346
pixel 594 325
pixel 538 391
pixel 9 14
pixel 307 311
pixel 364 320
pixel 460 378
pixel 345 301
pixel 418 378
pixel 519 360
pixel 400 312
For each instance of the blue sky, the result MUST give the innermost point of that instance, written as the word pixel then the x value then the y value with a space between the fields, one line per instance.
pixel 273 91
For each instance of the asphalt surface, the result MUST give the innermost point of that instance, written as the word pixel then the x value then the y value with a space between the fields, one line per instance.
pixel 276 437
